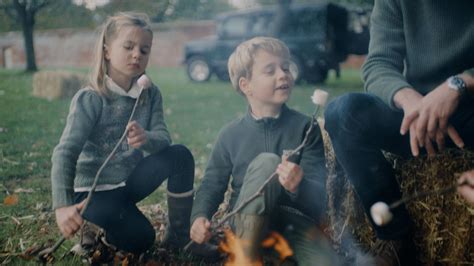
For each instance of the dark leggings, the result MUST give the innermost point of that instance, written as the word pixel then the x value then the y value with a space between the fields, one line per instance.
pixel 115 210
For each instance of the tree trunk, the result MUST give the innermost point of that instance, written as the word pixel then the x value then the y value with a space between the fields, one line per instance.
pixel 28 25
pixel 26 16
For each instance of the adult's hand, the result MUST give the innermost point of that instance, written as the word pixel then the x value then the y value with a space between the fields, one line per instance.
pixel 417 108
pixel 408 100
pixel 434 111
pixel 69 220
pixel 467 191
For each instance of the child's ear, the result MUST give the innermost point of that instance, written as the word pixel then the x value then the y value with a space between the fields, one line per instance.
pixel 245 86
pixel 106 53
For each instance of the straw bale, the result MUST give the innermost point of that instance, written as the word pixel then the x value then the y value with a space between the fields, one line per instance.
pixel 444 223
pixel 57 84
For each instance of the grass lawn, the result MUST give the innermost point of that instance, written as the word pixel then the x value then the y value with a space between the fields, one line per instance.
pixel 30 128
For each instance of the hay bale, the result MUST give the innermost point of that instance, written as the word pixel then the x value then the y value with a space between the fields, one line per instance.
pixel 348 224
pixel 57 84
pixel 444 223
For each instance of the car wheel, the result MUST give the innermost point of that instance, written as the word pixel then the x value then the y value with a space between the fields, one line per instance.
pixel 223 75
pixel 296 69
pixel 198 69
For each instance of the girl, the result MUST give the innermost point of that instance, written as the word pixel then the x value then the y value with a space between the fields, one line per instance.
pixel 97 118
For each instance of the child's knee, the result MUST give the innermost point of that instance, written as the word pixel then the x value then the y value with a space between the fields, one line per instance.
pixel 267 161
pixel 182 152
pixel 261 168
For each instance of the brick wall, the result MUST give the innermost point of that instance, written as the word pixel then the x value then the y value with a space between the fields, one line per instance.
pixel 75 47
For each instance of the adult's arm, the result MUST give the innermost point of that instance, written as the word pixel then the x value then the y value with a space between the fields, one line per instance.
pixel 383 70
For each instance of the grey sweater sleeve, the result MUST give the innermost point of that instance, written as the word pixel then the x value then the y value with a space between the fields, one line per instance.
pixel 214 184
pixel 84 110
pixel 157 134
pixel 383 70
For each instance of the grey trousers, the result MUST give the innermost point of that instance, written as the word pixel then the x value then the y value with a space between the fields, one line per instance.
pixel 309 244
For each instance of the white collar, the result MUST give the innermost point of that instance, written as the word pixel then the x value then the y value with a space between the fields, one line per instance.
pixel 134 91
pixel 259 118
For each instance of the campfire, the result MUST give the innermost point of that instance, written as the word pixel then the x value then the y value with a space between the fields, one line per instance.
pixel 235 248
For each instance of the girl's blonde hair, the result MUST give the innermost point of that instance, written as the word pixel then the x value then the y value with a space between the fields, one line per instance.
pixel 241 61
pixel 108 32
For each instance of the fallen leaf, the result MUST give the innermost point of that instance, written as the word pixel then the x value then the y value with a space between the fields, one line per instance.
pixel 11 200
pixel 43 230
pixel 23 190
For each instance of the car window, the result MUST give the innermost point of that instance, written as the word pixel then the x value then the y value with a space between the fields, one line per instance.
pixel 261 25
pixel 304 22
pixel 235 27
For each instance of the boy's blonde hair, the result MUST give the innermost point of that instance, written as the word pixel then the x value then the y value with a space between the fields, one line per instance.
pixel 242 59
pixel 108 32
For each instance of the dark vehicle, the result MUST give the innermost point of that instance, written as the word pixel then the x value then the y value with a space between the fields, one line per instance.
pixel 318 35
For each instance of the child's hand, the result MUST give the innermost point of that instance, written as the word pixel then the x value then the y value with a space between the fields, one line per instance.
pixel 136 136
pixel 289 175
pixel 200 230
pixel 467 191
pixel 69 220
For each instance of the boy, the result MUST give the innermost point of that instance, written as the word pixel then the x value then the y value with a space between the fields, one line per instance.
pixel 249 150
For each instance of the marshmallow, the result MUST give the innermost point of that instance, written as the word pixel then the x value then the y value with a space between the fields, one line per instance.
pixel 144 82
pixel 380 213
pixel 319 97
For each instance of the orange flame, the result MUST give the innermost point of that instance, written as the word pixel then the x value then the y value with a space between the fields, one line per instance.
pixel 279 243
pixel 235 247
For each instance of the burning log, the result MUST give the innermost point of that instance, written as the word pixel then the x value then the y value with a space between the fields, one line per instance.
pixel 444 231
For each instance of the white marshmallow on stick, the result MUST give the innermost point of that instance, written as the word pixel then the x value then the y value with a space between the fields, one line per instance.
pixel 380 213
pixel 320 97
pixel 144 82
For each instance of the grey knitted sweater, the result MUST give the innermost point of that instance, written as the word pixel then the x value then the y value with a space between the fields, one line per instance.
pixel 242 140
pixel 94 125
pixel 418 44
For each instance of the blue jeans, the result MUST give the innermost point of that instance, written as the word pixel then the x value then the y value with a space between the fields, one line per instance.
pixel 360 126
pixel 115 210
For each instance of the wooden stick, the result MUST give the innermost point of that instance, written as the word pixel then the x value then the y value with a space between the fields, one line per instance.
pixel 445 190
